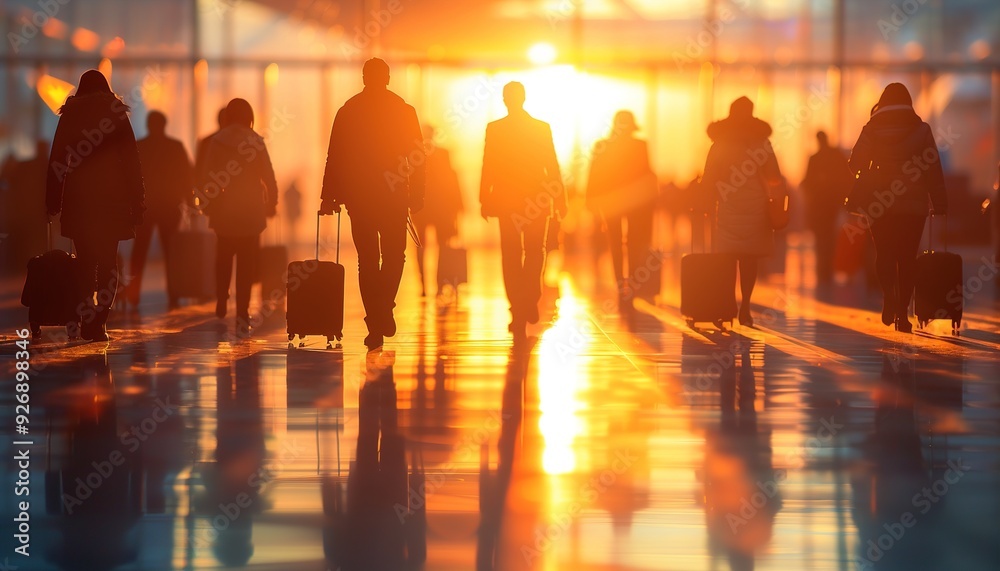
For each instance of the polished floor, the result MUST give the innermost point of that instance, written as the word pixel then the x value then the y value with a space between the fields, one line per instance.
pixel 818 440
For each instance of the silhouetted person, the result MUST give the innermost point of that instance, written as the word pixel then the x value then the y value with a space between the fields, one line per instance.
pixel 521 185
pixel 902 146
pixel 826 185
pixel 242 194
pixel 743 226
pixel 169 178
pixel 619 188
pixel 444 202
pixel 24 211
pixel 95 180
pixel 375 167
pixel 292 207
pixel 201 151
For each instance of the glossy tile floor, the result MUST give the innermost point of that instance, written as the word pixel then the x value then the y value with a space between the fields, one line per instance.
pixel 818 440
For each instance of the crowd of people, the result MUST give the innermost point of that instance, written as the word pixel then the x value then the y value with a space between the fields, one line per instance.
pixel 382 167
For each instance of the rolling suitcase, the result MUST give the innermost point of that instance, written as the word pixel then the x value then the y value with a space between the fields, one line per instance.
pixel 938 291
pixel 708 288
pixel 315 297
pixel 52 292
pixel 191 268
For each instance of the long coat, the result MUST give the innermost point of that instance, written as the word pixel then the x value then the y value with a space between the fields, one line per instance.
pixel 618 170
pixel 240 187
pixel 94 174
pixel 902 147
pixel 520 168
pixel 738 164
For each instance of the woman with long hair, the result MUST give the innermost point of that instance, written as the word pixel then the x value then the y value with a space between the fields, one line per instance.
pixel 897 155
pixel 95 180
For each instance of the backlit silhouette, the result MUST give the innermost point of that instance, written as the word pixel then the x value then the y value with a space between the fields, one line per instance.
pixel 522 187
pixel 375 167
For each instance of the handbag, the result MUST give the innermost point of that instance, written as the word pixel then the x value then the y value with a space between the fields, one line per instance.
pixel 862 192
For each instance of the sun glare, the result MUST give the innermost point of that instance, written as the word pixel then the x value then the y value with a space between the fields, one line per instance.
pixel 542 53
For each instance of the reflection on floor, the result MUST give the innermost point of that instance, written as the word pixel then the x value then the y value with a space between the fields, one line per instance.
pixel 817 440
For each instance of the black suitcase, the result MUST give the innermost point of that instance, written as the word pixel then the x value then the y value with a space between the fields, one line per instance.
pixel 53 293
pixel 315 297
pixel 938 291
pixel 708 288
pixel 191 268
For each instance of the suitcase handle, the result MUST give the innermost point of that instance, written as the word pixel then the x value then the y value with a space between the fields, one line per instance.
pixel 318 215
pixel 930 234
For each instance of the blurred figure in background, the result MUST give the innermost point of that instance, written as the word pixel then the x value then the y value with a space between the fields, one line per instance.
pixel 98 188
pixel 521 185
pixel 893 136
pixel 623 188
pixel 238 212
pixel 201 151
pixel 169 178
pixel 375 166
pixel 24 212
pixel 444 202
pixel 826 184
pixel 744 228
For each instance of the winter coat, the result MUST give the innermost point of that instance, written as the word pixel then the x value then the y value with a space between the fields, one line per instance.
pixel 94 175
pixel 902 147
pixel 620 179
pixel 520 169
pixel 240 188
pixel 167 172
pixel 740 161
pixel 376 161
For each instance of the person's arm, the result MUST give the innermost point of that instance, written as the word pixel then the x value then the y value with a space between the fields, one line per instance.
pixel 331 192
pixel 935 176
pixel 185 174
pixel 133 171
pixel 554 184
pixel 487 178
pixel 861 155
pixel 418 170
pixel 270 182
pixel 56 173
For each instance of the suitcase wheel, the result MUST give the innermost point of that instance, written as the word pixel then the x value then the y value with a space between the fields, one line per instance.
pixel 73 330
pixel 36 331
pixel 690 323
pixel 291 337
pixel 718 323
pixel 956 327
pixel 923 323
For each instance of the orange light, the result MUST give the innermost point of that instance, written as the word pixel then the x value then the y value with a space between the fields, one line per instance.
pixel 53 91
pixel 271 75
pixel 54 28
pixel 85 40
pixel 113 48
pixel 104 66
